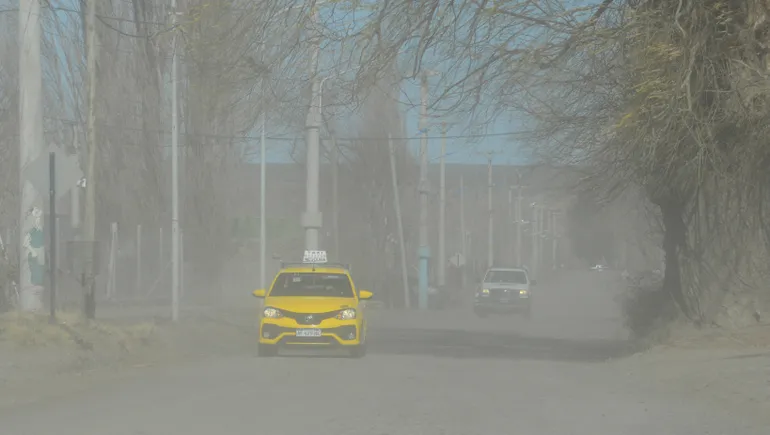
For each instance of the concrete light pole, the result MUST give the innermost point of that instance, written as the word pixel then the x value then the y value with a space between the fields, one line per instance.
pixel 534 233
pixel 263 202
pixel 30 147
pixel 424 249
pixel 491 228
pixel 263 184
pixel 441 263
pixel 543 224
pixel 312 219
pixel 463 235
pixel 175 263
pixel 519 219
pixel 335 156
pixel 554 240
pixel 89 283
pixel 511 224
pixel 335 165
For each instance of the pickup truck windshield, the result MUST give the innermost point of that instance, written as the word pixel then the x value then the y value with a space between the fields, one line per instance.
pixel 506 277
pixel 330 285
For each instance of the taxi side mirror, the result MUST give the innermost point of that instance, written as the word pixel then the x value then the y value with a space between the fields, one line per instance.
pixel 259 293
pixel 365 295
pixel 533 282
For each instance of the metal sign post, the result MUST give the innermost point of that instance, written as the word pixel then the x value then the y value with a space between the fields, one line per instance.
pixel 54 173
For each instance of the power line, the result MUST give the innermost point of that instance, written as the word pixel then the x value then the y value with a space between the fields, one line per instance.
pixel 106 17
pixel 301 138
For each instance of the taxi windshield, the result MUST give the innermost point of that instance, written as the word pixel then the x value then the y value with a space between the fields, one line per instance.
pixel 330 285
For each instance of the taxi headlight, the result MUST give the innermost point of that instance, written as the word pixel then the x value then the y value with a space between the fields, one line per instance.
pixel 523 292
pixel 348 314
pixel 271 313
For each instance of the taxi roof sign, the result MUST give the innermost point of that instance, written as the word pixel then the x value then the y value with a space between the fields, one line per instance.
pixel 315 257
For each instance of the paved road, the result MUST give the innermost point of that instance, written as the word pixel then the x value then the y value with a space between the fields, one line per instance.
pixel 438 373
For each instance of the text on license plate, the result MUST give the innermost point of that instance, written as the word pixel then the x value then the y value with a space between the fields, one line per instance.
pixel 308 332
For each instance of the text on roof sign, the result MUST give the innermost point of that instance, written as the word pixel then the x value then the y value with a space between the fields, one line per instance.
pixel 314 257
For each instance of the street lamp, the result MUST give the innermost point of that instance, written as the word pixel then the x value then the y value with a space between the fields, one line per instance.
pixel 335 169
pixel 323 81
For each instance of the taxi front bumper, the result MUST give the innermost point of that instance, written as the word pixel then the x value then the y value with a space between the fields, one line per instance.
pixel 286 335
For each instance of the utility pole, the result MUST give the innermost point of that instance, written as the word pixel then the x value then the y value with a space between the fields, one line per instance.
pixel 543 224
pixel 175 264
pixel 335 170
pixel 463 236
pixel 138 283
pixel 424 250
pixel 554 240
pixel 441 262
pixel 30 148
pixel 75 192
pixel 53 234
pixel 511 223
pixel 312 220
pixel 335 196
pixel 263 201
pixel 399 223
pixel 491 229
pixel 161 278
pixel 519 218
pixel 533 228
pixel 89 282
pixel 263 182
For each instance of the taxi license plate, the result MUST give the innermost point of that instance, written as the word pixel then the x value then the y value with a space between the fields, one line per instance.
pixel 308 332
pixel 504 300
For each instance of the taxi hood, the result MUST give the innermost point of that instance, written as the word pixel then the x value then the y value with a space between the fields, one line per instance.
pixel 306 304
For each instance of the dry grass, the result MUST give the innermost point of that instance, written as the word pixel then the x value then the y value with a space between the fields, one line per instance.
pixel 29 330
pixel 754 337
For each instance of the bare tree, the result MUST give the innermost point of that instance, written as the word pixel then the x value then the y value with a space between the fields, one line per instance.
pixel 365 183
pixel 664 96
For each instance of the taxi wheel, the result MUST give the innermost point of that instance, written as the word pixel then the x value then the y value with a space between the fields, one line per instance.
pixel 358 351
pixel 267 350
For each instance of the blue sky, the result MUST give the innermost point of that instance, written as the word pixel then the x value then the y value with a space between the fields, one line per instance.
pixel 507 149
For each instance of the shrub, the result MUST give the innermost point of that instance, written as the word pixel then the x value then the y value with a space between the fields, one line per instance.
pixel 647 308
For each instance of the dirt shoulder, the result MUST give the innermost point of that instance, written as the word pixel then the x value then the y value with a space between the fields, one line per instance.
pixel 727 370
pixel 42 361
pixel 721 369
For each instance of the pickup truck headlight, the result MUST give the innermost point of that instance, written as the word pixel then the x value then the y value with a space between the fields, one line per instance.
pixel 347 314
pixel 272 313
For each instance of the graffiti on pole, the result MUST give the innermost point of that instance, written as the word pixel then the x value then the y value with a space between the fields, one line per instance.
pixel 34 251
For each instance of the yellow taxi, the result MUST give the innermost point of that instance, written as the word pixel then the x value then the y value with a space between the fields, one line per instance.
pixel 312 304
